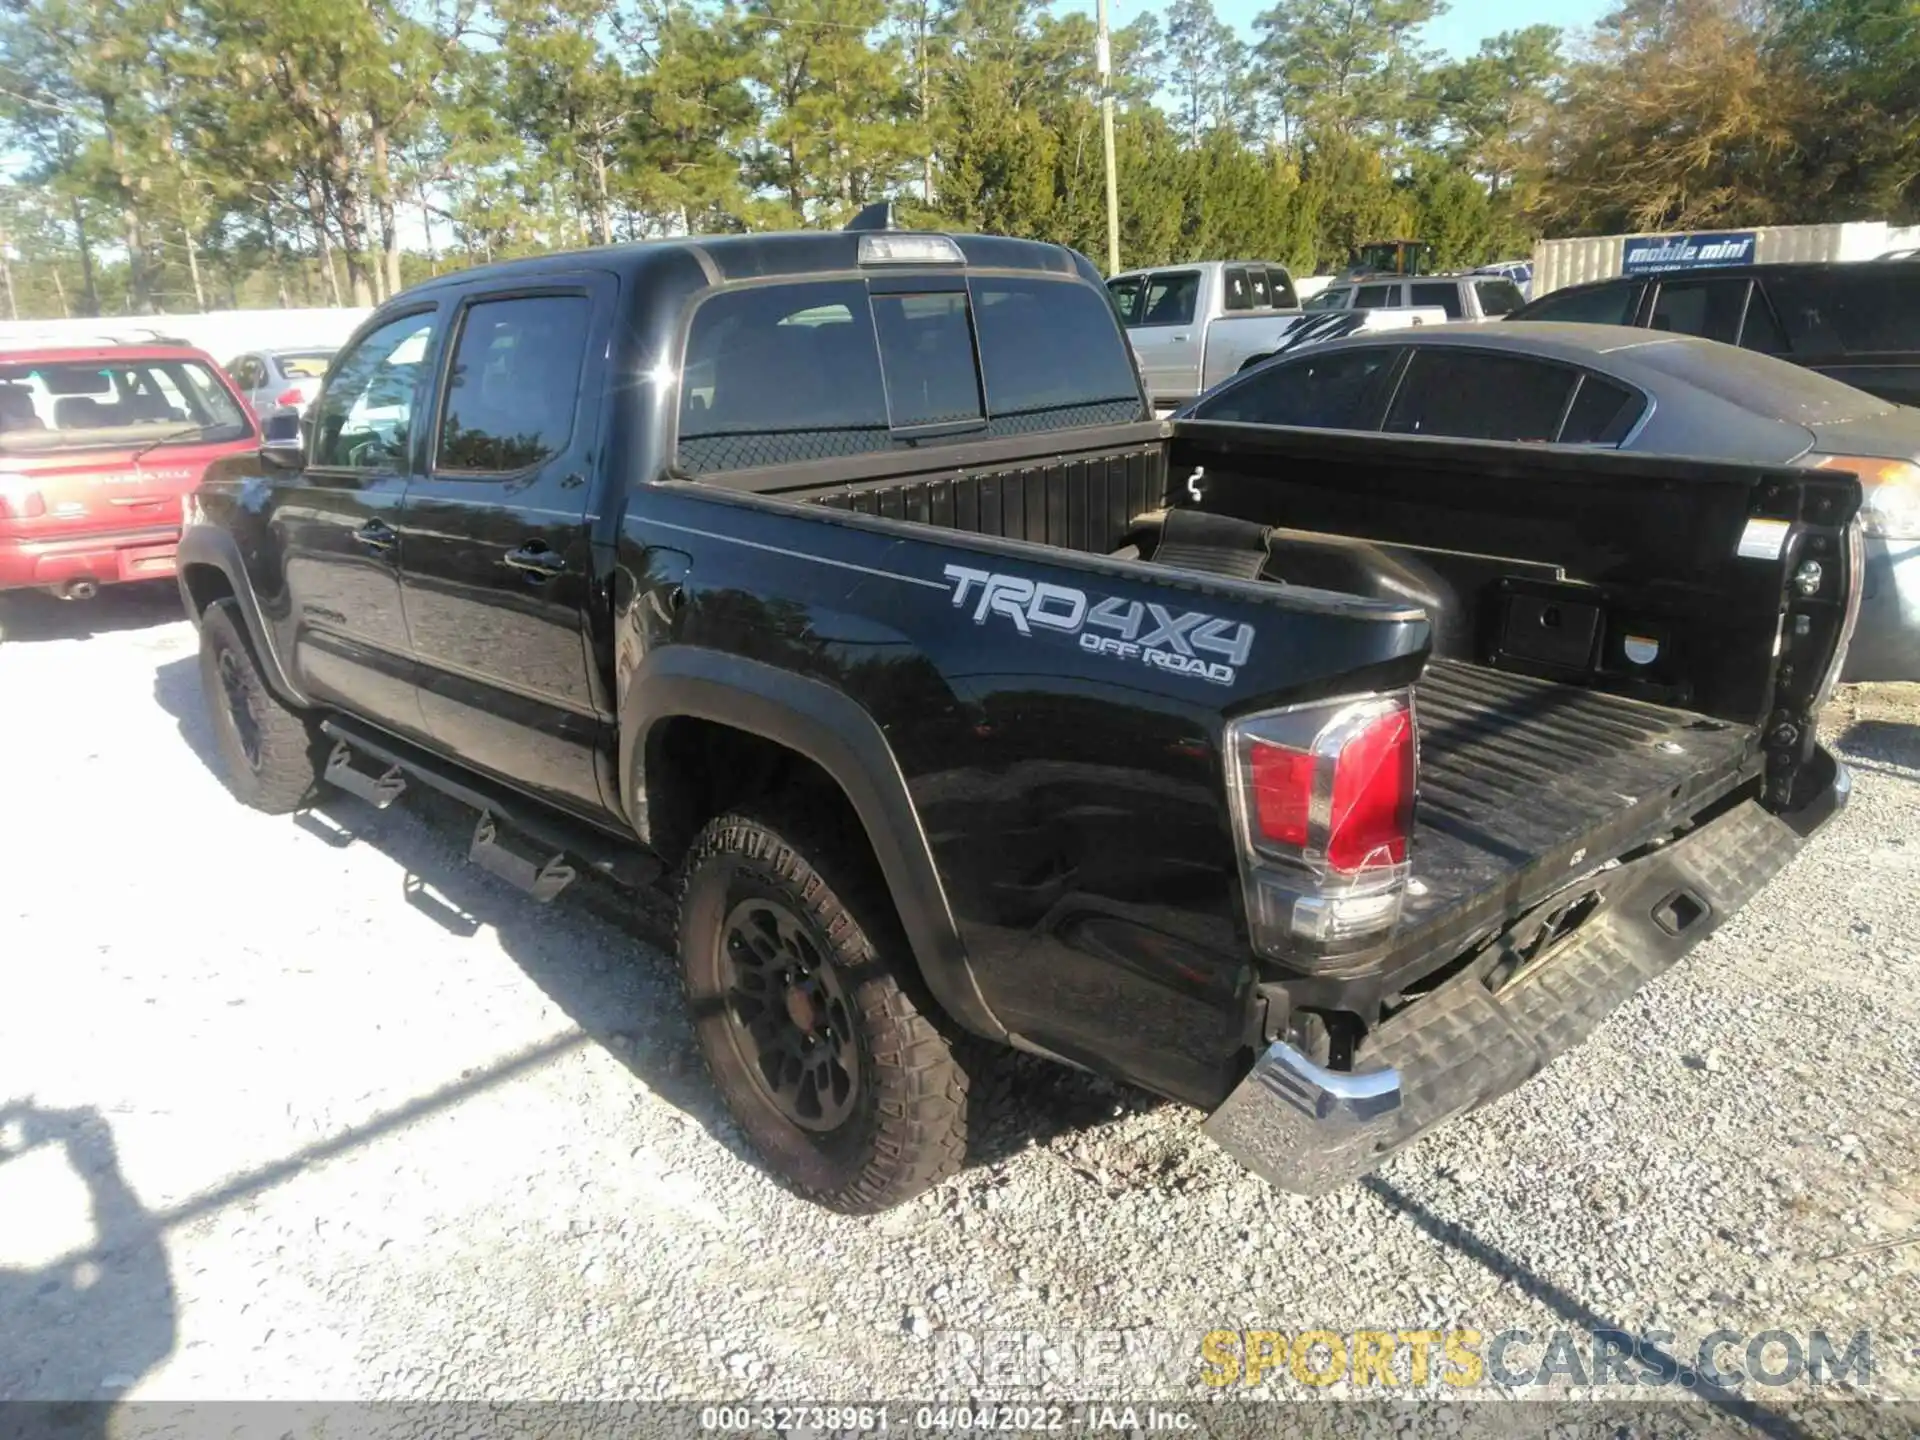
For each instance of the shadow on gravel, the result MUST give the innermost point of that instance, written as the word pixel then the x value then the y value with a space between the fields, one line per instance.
pixel 33 615
pixel 633 1010
pixel 85 1326
pixel 1575 1312
pixel 1882 747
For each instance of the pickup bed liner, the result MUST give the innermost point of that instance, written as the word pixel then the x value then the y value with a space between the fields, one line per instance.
pixel 1523 780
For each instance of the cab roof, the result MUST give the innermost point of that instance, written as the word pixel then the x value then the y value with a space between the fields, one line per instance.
pixel 770 255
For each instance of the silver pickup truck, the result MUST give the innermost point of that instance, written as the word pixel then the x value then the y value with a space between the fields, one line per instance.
pixel 1194 325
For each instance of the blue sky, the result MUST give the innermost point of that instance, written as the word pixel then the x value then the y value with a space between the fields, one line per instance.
pixel 1459 31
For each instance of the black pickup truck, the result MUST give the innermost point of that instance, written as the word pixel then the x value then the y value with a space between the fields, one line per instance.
pixel 844 580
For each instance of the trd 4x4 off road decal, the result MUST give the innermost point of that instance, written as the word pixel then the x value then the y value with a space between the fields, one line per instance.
pixel 1123 629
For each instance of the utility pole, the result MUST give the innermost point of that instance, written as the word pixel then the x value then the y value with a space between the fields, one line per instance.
pixel 1103 62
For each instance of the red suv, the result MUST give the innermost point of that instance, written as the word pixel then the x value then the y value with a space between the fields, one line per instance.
pixel 98 445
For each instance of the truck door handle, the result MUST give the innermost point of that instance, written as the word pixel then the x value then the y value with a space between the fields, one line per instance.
pixel 1178 338
pixel 376 536
pixel 535 561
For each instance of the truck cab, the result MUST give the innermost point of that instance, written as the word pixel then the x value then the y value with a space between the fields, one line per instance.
pixel 1172 314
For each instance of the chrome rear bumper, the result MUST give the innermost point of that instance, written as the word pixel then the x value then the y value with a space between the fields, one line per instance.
pixel 1308 1129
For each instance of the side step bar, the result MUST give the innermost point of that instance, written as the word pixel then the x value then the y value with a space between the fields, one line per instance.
pixel 378 791
pixel 515 839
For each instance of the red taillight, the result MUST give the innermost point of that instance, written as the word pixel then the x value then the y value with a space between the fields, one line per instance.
pixel 1372 808
pixel 1282 792
pixel 18 501
pixel 1363 770
pixel 1325 801
pixel 291 397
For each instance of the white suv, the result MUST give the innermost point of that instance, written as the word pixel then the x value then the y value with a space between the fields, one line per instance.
pixel 1463 297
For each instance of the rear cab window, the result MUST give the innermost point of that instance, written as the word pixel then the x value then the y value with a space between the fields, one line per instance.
pixel 92 404
pixel 791 372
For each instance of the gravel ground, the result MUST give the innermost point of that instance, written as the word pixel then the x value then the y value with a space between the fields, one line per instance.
pixel 308 1109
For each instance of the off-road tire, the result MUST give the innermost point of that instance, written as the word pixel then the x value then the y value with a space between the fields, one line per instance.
pixel 908 1126
pixel 283 768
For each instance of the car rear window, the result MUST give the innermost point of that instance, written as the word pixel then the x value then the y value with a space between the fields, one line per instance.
pixel 1602 413
pixel 74 405
pixel 781 374
pixel 1857 310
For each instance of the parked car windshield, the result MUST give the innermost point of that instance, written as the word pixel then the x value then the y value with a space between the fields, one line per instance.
pixel 79 405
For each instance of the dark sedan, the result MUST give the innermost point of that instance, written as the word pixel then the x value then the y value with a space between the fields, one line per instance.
pixel 1603 385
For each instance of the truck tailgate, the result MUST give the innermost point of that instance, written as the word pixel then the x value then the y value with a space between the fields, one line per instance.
pixel 1526 784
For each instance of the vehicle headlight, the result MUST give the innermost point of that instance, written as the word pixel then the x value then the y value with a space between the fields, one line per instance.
pixel 1890 494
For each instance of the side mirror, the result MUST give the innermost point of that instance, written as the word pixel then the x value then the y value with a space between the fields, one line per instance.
pixel 285 443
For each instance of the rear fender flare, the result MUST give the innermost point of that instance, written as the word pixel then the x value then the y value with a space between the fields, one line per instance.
pixel 208 545
pixel 831 729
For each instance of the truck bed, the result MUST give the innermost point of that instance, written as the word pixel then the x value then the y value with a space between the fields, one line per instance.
pixel 1525 784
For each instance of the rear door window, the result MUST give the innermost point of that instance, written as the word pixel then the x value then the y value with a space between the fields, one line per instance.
pixel 1337 390
pixel 1444 294
pixel 1599 305
pixel 1859 309
pixel 1710 309
pixel 1478 395
pixel 1376 297
pixel 514 384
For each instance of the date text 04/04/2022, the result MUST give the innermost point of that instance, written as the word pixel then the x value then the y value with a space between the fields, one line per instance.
pixel 954 1419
